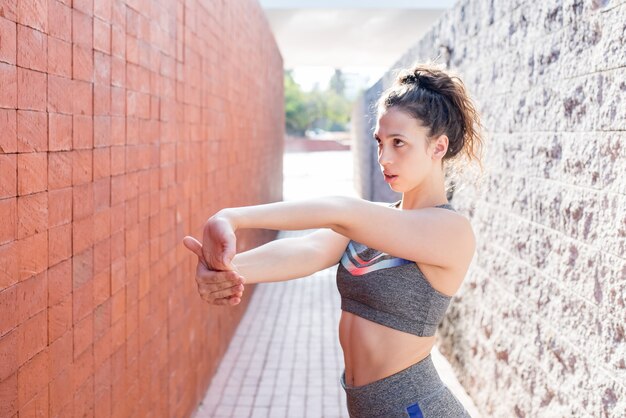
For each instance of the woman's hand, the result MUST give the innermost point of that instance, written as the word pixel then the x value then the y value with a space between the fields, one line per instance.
pixel 215 287
pixel 219 243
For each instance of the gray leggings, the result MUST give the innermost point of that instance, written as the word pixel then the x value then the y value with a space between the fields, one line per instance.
pixel 415 392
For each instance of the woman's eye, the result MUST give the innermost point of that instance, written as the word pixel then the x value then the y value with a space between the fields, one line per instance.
pixel 398 141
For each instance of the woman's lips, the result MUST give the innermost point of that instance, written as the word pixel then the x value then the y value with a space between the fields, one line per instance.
pixel 390 179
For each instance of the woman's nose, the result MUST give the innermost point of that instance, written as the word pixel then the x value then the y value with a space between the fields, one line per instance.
pixel 384 158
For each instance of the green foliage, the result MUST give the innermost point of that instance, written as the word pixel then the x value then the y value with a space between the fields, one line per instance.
pixel 328 109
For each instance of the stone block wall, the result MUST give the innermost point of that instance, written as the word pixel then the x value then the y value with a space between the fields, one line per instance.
pixel 538 328
pixel 124 124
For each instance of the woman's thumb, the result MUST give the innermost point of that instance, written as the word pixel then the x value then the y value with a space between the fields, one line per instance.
pixel 194 246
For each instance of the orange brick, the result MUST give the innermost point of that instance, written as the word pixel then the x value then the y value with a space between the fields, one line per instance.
pixel 59 57
pixel 31 92
pixel 82 97
pixel 32 47
pixel 85 6
pixel 82 63
pixel 32 255
pixel 102 100
pixel 8 130
pixel 8 46
pixel 82 170
pixel 83 368
pixel 32 295
pixel 60 318
pixel 59 282
pixel 8 350
pixel 84 398
pixel 118 130
pixel 102 319
pixel 8 81
pixel 8 396
pixel 118 188
pixel 61 354
pixel 59 207
pixel 102 9
pixel 82 28
pixel 102 256
pixel 61 391
pixel 59 132
pixel 32 214
pixel 82 234
pixel 82 132
pixel 59 244
pixel 8 319
pixel 32 131
pixel 118 160
pixel 60 94
pixel 82 269
pixel 118 334
pixel 38 406
pixel 8 266
pixel 83 199
pixel 101 36
pixel 33 13
pixel 102 195
pixel 59 170
pixel 102 286
pixel 8 175
pixel 83 335
pixel 102 67
pixel 118 79
pixel 82 302
pixel 32 377
pixel 132 49
pixel 118 42
pixel 59 21
pixel 9 11
pixel 102 387
pixel 101 165
pixel 118 305
pixel 32 173
pixel 102 131
pixel 8 226
pixel 102 225
pixel 32 337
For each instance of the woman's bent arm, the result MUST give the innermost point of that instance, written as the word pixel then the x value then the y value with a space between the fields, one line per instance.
pixel 430 235
pixel 289 258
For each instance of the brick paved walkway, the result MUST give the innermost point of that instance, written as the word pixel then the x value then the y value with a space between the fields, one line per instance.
pixel 285 360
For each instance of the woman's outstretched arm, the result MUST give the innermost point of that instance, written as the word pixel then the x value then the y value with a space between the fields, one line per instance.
pixel 434 236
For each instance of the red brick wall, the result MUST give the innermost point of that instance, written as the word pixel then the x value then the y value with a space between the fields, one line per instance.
pixel 123 126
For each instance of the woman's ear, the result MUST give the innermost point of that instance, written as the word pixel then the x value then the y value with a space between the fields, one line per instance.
pixel 440 147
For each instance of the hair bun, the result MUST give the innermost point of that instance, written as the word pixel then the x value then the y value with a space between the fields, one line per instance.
pixel 410 78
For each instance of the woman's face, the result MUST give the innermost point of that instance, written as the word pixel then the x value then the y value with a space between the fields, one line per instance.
pixel 405 151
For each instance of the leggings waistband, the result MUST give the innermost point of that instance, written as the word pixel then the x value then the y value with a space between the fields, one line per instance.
pixel 421 377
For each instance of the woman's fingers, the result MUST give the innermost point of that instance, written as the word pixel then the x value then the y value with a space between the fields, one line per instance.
pixel 220 294
pixel 215 287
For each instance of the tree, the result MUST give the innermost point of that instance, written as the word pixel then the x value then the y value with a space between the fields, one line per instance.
pixel 337 82
pixel 325 109
pixel 296 112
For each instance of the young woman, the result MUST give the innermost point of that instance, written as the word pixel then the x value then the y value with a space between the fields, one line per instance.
pixel 399 264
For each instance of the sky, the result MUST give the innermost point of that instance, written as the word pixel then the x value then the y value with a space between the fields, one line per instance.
pixel 364 37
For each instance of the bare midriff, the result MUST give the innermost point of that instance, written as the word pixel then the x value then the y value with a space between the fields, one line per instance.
pixel 373 351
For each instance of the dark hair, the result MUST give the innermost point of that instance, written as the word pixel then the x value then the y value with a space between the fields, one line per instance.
pixel 438 99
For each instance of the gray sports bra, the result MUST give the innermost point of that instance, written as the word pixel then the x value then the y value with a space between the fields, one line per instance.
pixel 389 290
